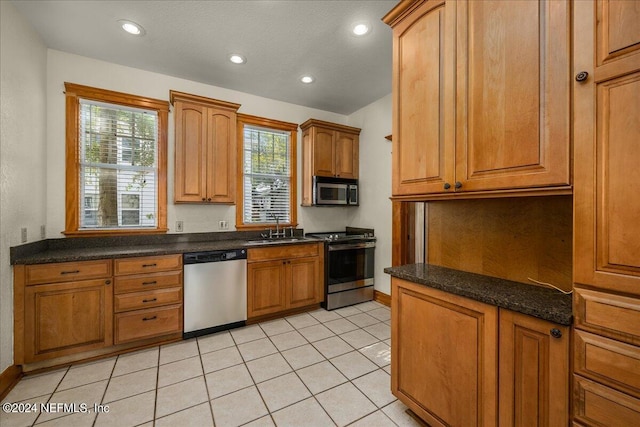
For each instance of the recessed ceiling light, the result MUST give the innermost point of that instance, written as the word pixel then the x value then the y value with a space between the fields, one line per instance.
pixel 360 29
pixel 237 58
pixel 131 27
pixel 307 79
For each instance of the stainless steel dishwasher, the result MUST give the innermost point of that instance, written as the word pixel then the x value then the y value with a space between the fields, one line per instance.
pixel 215 291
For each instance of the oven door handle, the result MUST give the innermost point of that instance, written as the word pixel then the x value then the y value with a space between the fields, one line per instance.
pixel 348 246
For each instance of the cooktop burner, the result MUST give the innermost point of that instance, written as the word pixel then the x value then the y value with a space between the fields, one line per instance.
pixel 341 236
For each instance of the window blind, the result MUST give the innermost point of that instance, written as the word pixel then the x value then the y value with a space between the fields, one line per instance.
pixel 118 166
pixel 266 175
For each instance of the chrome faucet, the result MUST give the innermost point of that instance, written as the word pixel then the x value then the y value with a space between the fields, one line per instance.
pixel 278 233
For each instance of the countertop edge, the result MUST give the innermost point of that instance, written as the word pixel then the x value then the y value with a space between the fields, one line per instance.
pixel 537 301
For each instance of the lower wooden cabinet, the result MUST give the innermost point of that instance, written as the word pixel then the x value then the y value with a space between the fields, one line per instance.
pixel 148 297
pixel 284 277
pixel 63 310
pixel 534 371
pixel 68 317
pixel 459 362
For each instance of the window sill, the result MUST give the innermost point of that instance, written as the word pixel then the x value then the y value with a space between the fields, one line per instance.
pixel 98 233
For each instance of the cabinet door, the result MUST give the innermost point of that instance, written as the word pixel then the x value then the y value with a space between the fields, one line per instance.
pixel 67 318
pixel 423 99
pixel 191 152
pixel 347 155
pixel 534 371
pixel 304 285
pixel 221 153
pixel 444 355
pixel 607 153
pixel 513 94
pixel 265 287
pixel 324 152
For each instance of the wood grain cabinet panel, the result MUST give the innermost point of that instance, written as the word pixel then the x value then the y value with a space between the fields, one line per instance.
pixel 534 371
pixel 148 298
pixel 67 271
pixel 283 278
pixel 205 154
pixel 67 318
pixel 481 97
pixel 444 355
pixel 598 405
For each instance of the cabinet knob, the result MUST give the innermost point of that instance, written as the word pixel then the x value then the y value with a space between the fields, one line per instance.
pixel 556 333
pixel 447 186
pixel 458 184
pixel 204 199
pixel 107 282
pixel 582 76
pixel 209 199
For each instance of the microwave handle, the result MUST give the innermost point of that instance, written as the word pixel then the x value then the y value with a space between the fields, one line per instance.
pixel 349 188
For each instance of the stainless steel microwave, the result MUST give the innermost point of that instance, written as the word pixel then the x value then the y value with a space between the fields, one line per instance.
pixel 335 191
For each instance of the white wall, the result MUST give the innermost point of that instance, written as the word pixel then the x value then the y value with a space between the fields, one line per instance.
pixel 64 67
pixel 23 151
pixel 375 182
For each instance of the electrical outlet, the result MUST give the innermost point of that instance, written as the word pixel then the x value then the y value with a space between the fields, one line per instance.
pixel 223 225
pixel 179 226
pixel 43 232
pixel 23 234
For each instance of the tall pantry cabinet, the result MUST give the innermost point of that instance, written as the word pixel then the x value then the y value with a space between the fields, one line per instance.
pixel 606 381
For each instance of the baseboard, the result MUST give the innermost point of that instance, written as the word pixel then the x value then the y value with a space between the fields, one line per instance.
pixel 382 298
pixel 8 379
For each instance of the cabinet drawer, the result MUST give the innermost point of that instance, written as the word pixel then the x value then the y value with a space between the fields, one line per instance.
pixel 284 252
pixel 140 324
pixel 595 404
pixel 146 282
pixel 67 271
pixel 608 314
pixel 138 300
pixel 608 361
pixel 147 264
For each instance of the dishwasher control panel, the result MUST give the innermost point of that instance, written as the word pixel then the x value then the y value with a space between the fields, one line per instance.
pixel 214 256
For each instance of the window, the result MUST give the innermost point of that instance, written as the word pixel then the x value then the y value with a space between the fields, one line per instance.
pixel 268 178
pixel 116 162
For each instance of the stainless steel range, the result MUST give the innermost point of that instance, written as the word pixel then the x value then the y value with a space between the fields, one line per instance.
pixel 349 266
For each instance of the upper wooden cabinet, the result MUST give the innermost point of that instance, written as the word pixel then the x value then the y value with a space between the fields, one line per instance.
pixel 328 149
pixel 205 149
pixel 481 96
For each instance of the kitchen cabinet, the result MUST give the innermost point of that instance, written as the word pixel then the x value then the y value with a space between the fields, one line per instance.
pixel 457 361
pixel 481 97
pixel 205 149
pixel 62 309
pixel 444 355
pixel 284 278
pixel 606 209
pixel 148 297
pixel 534 371
pixel 330 150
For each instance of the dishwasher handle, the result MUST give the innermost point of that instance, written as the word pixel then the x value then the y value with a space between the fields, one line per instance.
pixel 214 256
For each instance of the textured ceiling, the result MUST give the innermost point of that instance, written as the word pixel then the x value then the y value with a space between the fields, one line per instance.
pixel 282 40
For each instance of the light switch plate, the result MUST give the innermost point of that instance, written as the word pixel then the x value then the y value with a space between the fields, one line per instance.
pixel 23 234
pixel 179 226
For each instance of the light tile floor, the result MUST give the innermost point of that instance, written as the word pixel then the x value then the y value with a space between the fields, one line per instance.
pixel 321 368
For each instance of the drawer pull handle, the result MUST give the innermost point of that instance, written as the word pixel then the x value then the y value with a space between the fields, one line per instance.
pixel 70 272
pixel 556 333
pixel 150 300
pixel 149 265
pixel 150 283
pixel 144 319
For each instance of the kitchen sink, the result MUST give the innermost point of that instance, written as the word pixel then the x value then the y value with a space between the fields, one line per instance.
pixel 275 241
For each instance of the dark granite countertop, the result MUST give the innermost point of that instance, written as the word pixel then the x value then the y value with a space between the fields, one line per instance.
pixel 534 300
pixel 83 249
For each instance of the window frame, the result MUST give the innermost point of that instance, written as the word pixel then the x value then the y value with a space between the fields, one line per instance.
pixel 73 94
pixel 246 119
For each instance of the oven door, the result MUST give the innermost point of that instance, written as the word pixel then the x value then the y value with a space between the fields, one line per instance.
pixel 350 265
